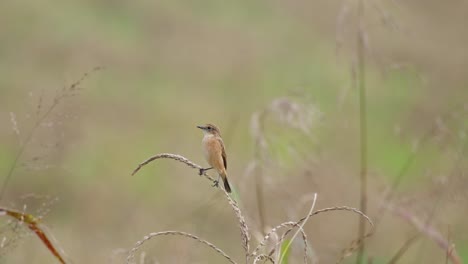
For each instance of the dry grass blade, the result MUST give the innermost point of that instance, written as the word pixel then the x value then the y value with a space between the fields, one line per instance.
pixel 33 225
pixel 174 157
pixel 131 255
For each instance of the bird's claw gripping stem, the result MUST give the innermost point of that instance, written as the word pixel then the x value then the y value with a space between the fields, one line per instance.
pixel 215 183
pixel 202 171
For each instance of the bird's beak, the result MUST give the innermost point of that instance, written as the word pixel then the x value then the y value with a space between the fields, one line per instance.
pixel 201 127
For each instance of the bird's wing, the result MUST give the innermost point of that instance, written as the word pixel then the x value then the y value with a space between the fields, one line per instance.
pixel 223 153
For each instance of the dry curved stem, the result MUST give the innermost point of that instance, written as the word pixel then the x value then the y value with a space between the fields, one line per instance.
pixel 131 254
pixel 342 208
pixel 289 224
pixel 355 244
pixel 174 157
pixel 242 224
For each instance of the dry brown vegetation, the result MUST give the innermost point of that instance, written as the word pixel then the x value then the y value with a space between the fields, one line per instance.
pixel 273 252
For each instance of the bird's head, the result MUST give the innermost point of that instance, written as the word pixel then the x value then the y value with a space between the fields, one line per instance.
pixel 210 129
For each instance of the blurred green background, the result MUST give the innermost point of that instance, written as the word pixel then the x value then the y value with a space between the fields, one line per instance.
pixel 171 65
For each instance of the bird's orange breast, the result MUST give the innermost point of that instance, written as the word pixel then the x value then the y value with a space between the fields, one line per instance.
pixel 212 150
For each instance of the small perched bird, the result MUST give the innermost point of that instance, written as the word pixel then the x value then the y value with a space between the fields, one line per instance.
pixel 215 155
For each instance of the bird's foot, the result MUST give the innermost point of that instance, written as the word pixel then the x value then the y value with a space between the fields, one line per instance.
pixel 202 171
pixel 215 183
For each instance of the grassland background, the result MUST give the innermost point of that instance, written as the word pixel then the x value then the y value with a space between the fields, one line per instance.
pixel 171 65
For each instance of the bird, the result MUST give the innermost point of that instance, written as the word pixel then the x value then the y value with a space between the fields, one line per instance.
pixel 215 153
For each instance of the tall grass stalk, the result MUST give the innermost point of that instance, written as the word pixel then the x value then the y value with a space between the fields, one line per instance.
pixel 361 81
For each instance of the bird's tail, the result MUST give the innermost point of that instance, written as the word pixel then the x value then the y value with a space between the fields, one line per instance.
pixel 226 183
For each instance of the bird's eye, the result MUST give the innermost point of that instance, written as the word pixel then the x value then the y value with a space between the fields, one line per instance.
pixel 209 128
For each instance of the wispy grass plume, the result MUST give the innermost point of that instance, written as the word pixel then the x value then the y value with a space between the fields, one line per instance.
pixel 42 115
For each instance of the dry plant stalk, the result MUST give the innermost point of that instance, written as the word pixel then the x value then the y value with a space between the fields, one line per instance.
pixel 174 157
pixel 131 255
pixel 361 78
pixel 242 224
pixel 291 225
